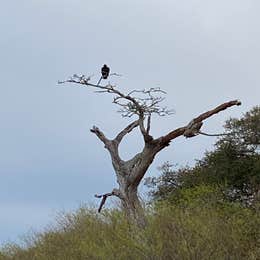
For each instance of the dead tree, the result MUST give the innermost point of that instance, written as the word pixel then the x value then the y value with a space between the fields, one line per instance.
pixel 142 104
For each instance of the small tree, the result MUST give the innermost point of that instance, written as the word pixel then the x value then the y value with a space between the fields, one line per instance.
pixel 141 104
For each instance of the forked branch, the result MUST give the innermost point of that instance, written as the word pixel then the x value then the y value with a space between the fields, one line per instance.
pixel 142 103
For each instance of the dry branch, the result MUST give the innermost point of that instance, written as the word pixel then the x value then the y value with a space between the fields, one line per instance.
pixel 145 104
pixel 126 130
pixel 100 135
pixel 193 128
pixel 115 192
pixel 217 110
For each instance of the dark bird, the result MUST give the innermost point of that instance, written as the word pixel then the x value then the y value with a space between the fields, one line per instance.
pixel 105 71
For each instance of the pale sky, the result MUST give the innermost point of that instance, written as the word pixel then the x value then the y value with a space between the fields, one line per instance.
pixel 201 52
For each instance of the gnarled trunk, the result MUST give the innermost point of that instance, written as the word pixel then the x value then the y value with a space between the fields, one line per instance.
pixel 129 174
pixel 132 206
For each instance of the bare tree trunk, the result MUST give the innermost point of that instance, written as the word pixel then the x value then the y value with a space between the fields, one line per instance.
pixel 132 207
pixel 129 175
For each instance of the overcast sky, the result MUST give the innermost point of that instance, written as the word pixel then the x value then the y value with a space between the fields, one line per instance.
pixel 201 52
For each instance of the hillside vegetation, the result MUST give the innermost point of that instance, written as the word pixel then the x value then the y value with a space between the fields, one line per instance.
pixel 194 231
pixel 209 211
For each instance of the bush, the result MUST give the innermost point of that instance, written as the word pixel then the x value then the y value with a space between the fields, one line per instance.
pixel 193 231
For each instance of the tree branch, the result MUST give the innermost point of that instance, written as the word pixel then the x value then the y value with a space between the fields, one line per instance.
pixel 101 136
pixel 115 192
pixel 216 110
pixel 202 133
pixel 148 124
pixel 193 128
pixel 146 103
pixel 145 133
pixel 111 146
pixel 125 131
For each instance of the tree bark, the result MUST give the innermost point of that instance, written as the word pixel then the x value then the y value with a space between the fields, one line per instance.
pixel 132 206
pixel 129 175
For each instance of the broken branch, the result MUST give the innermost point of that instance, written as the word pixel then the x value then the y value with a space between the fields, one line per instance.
pixel 115 192
pixel 100 135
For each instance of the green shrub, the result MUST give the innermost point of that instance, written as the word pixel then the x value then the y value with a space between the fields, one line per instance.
pixel 193 231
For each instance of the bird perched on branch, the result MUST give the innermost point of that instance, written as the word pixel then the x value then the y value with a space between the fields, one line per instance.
pixel 104 72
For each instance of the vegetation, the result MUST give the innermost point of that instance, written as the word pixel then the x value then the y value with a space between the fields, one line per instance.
pixel 209 211
pixel 193 230
pixel 233 167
